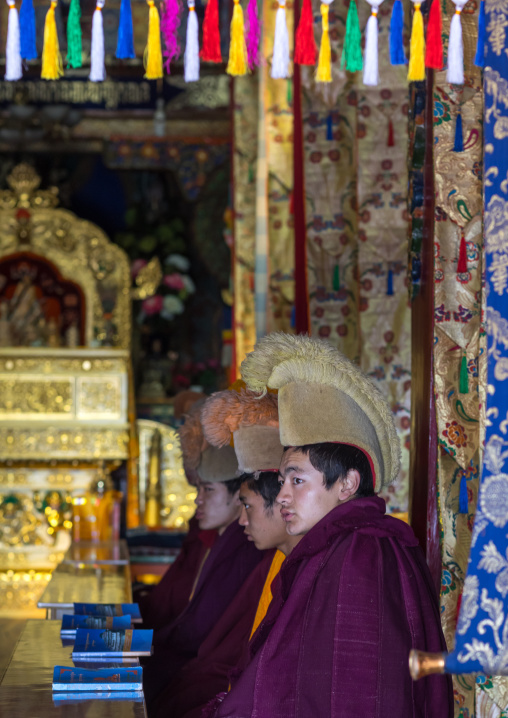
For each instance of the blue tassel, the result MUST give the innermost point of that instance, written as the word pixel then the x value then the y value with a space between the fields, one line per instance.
pixel 293 317
pixel 125 43
pixel 329 127
pixel 479 59
pixel 27 30
pixel 397 56
pixel 459 142
pixel 463 503
pixel 389 281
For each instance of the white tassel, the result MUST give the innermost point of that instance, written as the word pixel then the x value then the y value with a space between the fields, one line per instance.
pixel 13 69
pixel 455 71
pixel 191 56
pixel 280 58
pixel 370 57
pixel 97 66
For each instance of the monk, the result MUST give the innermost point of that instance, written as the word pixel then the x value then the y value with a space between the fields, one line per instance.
pixel 355 595
pixel 198 682
pixel 223 570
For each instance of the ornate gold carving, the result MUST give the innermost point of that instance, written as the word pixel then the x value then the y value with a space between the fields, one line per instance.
pixel 25 443
pixel 32 396
pixel 99 396
pixel 24 183
pixel 148 279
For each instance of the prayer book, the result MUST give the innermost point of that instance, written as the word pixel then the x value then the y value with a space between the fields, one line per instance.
pixel 105 680
pixel 71 622
pixel 109 609
pixel 96 642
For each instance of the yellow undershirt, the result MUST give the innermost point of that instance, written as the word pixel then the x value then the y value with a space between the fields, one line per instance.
pixel 266 596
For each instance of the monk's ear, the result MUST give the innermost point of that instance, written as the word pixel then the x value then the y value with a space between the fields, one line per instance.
pixel 349 485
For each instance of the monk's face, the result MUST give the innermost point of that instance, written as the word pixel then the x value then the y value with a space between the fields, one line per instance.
pixel 264 526
pixel 303 497
pixel 217 508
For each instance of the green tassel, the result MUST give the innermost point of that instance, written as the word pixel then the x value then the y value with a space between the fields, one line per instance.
pixel 251 174
pixel 336 279
pixel 289 91
pixel 352 51
pixel 74 35
pixel 463 380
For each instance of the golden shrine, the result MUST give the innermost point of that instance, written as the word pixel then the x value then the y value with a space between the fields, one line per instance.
pixel 67 414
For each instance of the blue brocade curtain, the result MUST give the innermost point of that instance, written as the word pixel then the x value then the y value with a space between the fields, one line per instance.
pixel 482 629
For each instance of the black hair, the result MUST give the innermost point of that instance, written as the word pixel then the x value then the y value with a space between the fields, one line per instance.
pixel 266 485
pixel 233 485
pixel 335 460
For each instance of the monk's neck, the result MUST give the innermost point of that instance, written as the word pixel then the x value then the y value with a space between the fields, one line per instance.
pixel 288 545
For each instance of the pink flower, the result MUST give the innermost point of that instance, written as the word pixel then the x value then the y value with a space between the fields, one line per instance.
pixel 174 281
pixel 152 305
pixel 136 266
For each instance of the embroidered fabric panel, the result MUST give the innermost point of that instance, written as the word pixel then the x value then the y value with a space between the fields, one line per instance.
pixel 482 628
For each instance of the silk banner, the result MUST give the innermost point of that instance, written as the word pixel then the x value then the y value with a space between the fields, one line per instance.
pixel 481 641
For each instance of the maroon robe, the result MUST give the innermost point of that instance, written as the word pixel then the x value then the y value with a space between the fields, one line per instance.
pixel 207 674
pixel 171 595
pixel 351 600
pixel 232 558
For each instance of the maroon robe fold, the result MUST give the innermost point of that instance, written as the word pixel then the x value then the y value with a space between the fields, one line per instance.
pixel 207 674
pixel 351 600
pixel 171 595
pixel 231 560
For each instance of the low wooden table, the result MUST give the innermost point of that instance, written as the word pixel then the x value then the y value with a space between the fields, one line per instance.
pixel 25 690
pixel 69 585
pixel 105 553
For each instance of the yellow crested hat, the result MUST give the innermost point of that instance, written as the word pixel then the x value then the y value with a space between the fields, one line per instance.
pixel 201 461
pixel 248 421
pixel 324 397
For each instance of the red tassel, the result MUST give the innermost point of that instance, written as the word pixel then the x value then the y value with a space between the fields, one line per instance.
pixel 462 263
pixel 305 49
pixel 210 50
pixel 434 42
pixel 391 141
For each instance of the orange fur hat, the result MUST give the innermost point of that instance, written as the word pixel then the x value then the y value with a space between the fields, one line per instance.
pixel 250 421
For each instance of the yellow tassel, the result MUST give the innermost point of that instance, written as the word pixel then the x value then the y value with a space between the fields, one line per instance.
pixel 416 69
pixel 324 68
pixel 237 63
pixel 52 67
pixel 153 50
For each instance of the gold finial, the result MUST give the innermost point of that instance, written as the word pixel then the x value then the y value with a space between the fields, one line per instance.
pixel 23 179
pixel 423 664
pixel 24 190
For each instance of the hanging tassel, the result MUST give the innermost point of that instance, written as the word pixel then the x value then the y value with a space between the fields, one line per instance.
pixel 97 66
pixel 74 46
pixel 391 140
pixel 292 203
pixel 13 69
pixel 171 12
pixel 463 500
pixel 253 34
pixel 336 279
pixel 27 30
pixel 292 321
pixel 479 59
pixel 153 51
pixel 416 70
pixel 324 68
pixel 125 40
pixel 51 68
pixel 370 59
pixel 397 56
pixel 352 51
pixel 305 45
pixel 210 49
pixel 329 127
pixel 434 45
pixel 289 92
pixel 462 260
pixel 280 58
pixel 458 145
pixel 455 71
pixel 238 60
pixel 463 378
pixel 191 55
pixel 389 283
